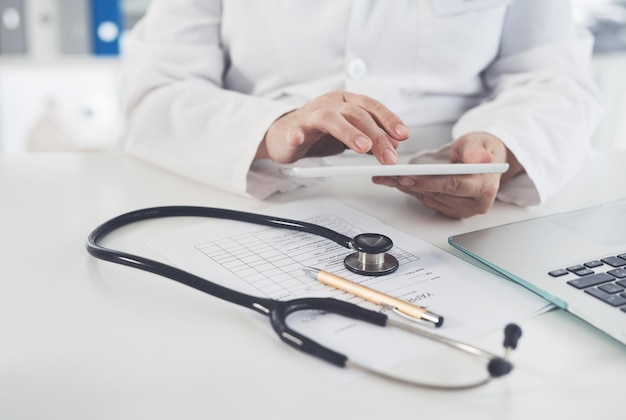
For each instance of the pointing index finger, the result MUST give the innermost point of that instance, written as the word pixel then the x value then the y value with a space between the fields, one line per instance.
pixel 387 120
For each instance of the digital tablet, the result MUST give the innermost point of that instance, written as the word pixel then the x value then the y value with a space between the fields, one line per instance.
pixel 396 170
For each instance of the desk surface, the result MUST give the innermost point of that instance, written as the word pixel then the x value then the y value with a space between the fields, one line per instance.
pixel 83 339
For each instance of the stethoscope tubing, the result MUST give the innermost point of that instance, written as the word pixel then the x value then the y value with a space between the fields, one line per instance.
pixel 119 257
pixel 101 252
pixel 219 213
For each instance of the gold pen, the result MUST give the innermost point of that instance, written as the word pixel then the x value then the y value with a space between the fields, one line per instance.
pixel 374 296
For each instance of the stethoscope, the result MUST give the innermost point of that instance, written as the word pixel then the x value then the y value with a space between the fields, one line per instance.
pixel 371 258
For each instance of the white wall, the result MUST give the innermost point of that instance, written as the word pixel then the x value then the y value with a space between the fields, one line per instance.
pixel 75 102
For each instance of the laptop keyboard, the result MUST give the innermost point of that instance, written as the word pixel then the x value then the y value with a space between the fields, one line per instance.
pixel 604 279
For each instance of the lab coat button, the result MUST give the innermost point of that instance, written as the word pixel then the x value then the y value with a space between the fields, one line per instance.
pixel 356 68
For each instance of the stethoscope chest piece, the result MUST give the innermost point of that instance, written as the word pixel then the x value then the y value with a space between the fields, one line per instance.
pixel 371 258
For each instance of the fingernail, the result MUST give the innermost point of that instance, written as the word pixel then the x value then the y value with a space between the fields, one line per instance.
pixel 402 130
pixel 296 138
pixel 390 156
pixel 362 143
pixel 386 181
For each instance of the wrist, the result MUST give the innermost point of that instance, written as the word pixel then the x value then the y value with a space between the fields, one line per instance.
pixel 261 151
pixel 515 168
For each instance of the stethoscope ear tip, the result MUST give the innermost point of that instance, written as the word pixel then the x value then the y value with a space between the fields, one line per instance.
pixel 498 367
pixel 512 334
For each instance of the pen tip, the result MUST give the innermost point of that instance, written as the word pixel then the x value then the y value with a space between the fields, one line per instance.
pixel 311 271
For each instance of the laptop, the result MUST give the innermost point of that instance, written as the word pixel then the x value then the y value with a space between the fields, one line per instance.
pixel 576 260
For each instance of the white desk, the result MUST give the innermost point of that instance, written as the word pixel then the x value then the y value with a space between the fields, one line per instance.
pixel 84 339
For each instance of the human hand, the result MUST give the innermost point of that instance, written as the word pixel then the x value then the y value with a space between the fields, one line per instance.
pixel 461 196
pixel 331 123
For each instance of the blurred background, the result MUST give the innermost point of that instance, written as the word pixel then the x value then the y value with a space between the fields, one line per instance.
pixel 59 61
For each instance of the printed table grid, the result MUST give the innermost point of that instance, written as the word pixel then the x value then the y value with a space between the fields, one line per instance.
pixel 271 259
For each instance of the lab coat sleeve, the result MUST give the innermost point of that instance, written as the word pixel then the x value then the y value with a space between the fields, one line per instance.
pixel 543 103
pixel 179 116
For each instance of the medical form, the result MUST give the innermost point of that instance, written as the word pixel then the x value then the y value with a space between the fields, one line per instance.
pixel 268 262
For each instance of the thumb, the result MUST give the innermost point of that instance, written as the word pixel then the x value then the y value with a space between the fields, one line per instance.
pixel 295 137
pixel 474 148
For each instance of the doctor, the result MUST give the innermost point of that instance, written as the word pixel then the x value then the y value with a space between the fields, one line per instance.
pixel 225 91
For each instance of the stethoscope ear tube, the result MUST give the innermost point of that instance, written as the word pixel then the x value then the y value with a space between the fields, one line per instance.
pixel 281 310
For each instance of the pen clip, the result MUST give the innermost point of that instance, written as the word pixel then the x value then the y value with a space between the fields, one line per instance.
pixel 392 308
pixel 410 318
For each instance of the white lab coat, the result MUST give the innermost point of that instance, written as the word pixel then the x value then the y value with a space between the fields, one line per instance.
pixel 204 79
